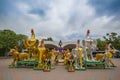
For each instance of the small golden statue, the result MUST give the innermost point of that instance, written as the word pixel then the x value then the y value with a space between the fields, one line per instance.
pixel 41 52
pixel 18 57
pixel 106 57
pixel 71 62
pixel 47 61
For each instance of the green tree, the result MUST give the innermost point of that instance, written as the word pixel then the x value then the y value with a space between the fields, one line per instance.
pixel 20 39
pixel 49 39
pixel 113 38
pixel 8 39
pixel 101 44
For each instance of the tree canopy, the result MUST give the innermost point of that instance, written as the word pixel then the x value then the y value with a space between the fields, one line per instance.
pixel 113 38
pixel 49 39
pixel 8 39
pixel 101 44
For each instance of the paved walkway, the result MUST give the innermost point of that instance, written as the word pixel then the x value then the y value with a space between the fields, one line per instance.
pixel 60 73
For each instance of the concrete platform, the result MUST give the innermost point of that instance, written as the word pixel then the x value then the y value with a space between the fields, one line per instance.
pixel 59 73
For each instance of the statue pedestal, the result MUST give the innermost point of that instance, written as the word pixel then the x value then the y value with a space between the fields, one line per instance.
pixel 26 63
pixel 80 68
pixel 94 64
pixel 36 68
pixel 71 70
pixel 46 70
pixel 52 68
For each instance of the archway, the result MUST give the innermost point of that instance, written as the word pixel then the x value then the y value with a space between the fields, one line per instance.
pixel 69 46
pixel 51 46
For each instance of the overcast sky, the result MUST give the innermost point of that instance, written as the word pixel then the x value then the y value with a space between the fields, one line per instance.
pixel 61 19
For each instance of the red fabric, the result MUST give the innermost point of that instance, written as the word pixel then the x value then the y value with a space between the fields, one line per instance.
pixel 88 32
pixel 32 30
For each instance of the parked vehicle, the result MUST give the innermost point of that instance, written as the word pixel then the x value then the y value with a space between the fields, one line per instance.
pixel 117 54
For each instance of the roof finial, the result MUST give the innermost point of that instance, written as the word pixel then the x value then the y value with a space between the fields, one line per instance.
pixel 88 32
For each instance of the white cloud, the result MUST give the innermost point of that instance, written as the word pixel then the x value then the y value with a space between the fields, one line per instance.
pixel 23 7
pixel 100 25
pixel 63 19
pixel 61 12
